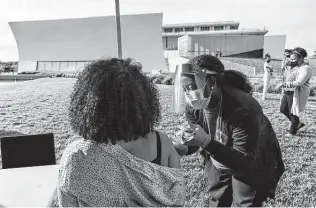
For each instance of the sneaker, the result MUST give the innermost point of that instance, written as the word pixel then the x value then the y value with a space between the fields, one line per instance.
pixel 292 133
pixel 300 125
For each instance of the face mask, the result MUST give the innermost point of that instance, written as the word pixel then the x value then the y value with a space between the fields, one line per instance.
pixel 196 99
pixel 293 64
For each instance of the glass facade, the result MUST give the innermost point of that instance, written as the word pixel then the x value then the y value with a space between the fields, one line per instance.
pixel 61 66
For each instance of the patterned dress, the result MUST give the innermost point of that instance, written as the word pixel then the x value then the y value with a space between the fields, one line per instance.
pixel 94 174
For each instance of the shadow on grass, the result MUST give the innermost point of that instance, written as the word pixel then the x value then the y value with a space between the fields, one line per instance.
pixel 312 100
pixel 4 133
pixel 303 133
pixel 267 99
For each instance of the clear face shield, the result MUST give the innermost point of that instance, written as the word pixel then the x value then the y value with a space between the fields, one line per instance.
pixel 190 88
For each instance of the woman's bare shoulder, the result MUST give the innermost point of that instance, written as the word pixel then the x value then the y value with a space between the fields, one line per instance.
pixel 163 136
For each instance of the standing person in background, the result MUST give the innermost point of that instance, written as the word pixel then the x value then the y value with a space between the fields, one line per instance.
pixel 285 63
pixel 267 75
pixel 296 89
pixel 218 53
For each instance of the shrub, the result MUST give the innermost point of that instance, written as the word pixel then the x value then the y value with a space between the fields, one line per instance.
pixel 168 79
pixel 29 72
pixel 59 75
pixel 158 79
pixel 152 77
pixel 258 87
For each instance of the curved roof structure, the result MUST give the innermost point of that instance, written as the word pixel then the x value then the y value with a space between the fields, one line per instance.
pixel 87 39
pixel 233 23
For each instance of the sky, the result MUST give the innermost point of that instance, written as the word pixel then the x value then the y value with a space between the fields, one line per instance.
pixel 294 18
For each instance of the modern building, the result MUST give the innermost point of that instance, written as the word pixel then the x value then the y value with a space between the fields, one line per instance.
pixel 171 32
pixel 66 45
pixel 222 39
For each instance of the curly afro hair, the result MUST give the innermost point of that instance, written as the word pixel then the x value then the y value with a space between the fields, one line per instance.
pixel 300 51
pixel 113 100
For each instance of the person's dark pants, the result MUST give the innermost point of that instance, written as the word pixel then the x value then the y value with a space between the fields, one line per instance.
pixel 285 108
pixel 227 191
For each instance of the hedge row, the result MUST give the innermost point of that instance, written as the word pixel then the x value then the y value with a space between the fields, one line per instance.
pixel 165 79
pixel 168 79
pixel 274 87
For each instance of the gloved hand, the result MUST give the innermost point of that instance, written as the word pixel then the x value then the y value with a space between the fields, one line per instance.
pixel 200 136
pixel 188 147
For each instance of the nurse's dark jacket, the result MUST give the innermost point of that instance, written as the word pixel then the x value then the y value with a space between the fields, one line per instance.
pixel 248 144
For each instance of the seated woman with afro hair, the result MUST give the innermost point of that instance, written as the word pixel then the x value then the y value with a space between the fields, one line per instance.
pixel 121 160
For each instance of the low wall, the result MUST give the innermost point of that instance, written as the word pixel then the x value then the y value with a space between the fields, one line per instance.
pixel 22 77
pixel 248 70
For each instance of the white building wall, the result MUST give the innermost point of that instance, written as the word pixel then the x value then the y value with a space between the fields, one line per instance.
pixel 87 39
pixel 275 46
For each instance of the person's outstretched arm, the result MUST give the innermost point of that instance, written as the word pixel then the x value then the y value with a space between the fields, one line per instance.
pixel 239 157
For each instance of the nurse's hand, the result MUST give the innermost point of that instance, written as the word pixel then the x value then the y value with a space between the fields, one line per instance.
pixel 201 138
pixel 187 147
pixel 181 149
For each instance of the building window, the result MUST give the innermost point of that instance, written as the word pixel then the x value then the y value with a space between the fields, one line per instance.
pixel 189 29
pixel 205 28
pixel 219 28
pixel 168 30
pixel 233 27
pixel 61 66
pixel 178 29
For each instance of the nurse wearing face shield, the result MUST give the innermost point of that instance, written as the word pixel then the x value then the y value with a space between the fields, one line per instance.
pixel 243 161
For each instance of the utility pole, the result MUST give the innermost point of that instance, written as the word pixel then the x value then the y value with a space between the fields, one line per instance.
pixel 118 28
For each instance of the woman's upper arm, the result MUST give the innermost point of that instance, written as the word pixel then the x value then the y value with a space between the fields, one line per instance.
pixel 173 156
pixel 305 74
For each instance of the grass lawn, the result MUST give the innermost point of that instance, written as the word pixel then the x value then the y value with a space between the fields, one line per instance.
pixel 40 106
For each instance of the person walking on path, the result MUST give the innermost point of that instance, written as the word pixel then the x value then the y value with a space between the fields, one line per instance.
pixel 296 89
